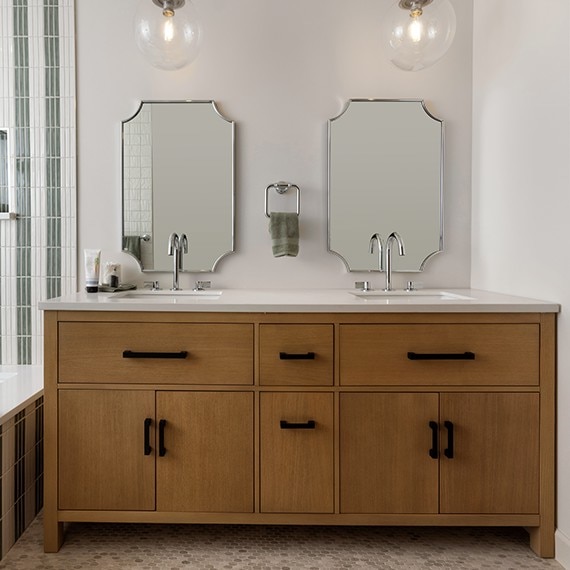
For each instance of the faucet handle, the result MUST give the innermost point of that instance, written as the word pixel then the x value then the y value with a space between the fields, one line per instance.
pixel 201 285
pixel 414 285
pixel 362 285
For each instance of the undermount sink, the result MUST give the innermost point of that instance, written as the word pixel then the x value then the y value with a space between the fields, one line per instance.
pixel 167 296
pixel 421 293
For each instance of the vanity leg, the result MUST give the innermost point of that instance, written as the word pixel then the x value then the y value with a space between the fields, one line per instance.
pixel 53 534
pixel 53 529
pixel 542 541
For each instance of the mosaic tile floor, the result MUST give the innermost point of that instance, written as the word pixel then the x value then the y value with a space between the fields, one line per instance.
pixel 211 547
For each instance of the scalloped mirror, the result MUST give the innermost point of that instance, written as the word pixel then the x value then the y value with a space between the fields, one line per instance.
pixel 385 175
pixel 178 176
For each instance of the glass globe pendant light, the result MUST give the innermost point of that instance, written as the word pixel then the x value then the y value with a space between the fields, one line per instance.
pixel 417 33
pixel 167 32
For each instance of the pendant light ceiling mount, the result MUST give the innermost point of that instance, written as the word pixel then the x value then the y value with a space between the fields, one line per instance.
pixel 170 6
pixel 413 4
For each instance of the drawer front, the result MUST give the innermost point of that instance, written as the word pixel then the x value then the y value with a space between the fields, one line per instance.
pixel 296 355
pixel 156 353
pixel 297 467
pixel 434 354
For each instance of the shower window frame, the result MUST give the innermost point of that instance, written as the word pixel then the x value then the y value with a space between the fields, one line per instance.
pixel 6 174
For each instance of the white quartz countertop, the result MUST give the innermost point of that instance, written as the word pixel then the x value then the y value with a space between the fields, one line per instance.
pixel 302 300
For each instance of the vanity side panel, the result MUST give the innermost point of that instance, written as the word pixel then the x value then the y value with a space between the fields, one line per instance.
pixel 53 529
pixel 542 537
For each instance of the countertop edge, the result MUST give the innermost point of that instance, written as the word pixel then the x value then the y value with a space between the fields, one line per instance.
pixel 307 301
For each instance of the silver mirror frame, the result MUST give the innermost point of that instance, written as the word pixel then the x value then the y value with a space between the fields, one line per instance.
pixel 233 180
pixel 441 182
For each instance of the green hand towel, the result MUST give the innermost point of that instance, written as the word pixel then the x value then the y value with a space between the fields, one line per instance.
pixel 132 244
pixel 284 231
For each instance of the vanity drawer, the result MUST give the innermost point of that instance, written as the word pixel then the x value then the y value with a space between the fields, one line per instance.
pixel 157 353
pixel 296 354
pixel 439 354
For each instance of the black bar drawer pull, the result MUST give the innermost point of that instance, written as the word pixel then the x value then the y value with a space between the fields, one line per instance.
pixel 441 356
pixel 133 354
pixel 311 424
pixel 147 447
pixel 291 356
pixel 448 451
pixel 161 448
pixel 434 451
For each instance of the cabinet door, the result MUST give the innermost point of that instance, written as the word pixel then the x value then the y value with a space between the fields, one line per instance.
pixel 495 464
pixel 103 463
pixel 297 473
pixel 208 461
pixel 385 465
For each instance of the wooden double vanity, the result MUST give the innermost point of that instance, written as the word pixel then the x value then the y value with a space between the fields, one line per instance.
pixel 301 408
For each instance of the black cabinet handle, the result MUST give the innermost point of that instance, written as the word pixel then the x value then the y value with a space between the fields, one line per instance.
pixel 441 356
pixel 133 354
pixel 434 451
pixel 161 448
pixel 290 356
pixel 448 451
pixel 147 447
pixel 311 424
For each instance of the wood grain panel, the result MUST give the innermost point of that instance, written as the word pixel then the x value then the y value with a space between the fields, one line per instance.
pixel 495 468
pixel 208 466
pixel 101 450
pixel 505 354
pixel 297 464
pixel 384 453
pixel 296 339
pixel 217 353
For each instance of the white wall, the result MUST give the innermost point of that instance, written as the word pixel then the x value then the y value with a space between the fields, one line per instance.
pixel 521 175
pixel 280 70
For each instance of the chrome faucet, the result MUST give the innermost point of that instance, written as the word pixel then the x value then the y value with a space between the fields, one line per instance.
pixel 393 237
pixel 376 237
pixel 174 250
pixel 183 245
pixel 177 246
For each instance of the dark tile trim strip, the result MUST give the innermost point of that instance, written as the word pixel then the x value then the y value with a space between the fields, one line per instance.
pixel 20 474
pixel 39 450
